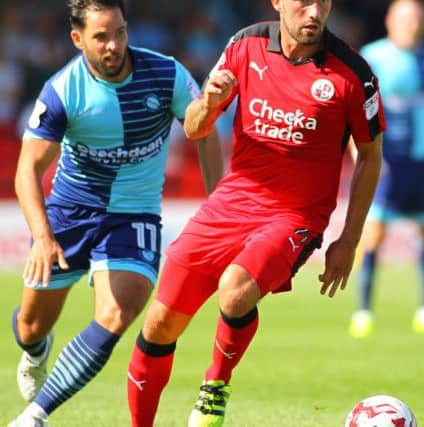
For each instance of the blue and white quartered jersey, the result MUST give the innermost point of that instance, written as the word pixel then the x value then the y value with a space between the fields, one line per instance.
pixel 114 136
pixel 401 80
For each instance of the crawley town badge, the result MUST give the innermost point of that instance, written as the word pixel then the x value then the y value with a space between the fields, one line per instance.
pixel 322 90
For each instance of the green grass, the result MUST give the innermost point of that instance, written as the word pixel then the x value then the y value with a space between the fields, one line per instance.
pixel 302 369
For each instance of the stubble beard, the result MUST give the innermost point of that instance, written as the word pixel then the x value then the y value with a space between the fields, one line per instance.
pixel 304 40
pixel 106 72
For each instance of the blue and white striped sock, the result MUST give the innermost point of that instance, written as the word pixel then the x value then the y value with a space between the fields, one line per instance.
pixel 78 363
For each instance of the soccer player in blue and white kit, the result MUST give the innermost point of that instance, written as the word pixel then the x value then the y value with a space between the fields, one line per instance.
pixel 108 114
pixel 398 62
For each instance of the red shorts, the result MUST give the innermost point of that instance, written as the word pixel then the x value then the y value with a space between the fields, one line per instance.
pixel 271 252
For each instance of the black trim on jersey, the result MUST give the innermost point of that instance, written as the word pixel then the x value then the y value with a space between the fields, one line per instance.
pixel 271 31
pixel 268 30
pixel 363 71
pixel 345 139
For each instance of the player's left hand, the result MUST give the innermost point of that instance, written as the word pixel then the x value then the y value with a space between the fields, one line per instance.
pixel 339 259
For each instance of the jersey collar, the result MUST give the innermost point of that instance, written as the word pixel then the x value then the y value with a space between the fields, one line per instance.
pixel 274 45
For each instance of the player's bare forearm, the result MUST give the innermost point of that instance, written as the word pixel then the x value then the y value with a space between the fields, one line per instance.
pixel 200 119
pixel 202 113
pixel 35 156
pixel 364 183
pixel 211 160
pixel 34 159
pixel 340 254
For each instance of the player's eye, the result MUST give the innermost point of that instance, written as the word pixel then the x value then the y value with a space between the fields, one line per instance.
pixel 100 37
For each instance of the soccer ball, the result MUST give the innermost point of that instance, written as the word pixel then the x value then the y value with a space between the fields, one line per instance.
pixel 381 411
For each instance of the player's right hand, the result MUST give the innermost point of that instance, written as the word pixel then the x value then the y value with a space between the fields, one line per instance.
pixel 44 252
pixel 219 88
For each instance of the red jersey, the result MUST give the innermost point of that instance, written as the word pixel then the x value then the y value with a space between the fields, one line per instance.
pixel 292 125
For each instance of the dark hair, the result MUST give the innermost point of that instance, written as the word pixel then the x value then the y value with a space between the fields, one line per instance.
pixel 78 9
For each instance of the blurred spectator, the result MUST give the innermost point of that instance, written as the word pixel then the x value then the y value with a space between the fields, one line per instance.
pixel 11 88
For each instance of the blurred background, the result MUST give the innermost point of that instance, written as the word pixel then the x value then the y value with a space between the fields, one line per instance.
pixel 35 42
pixel 321 372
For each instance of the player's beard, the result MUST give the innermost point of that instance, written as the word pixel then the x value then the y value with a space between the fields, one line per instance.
pixel 100 65
pixel 304 39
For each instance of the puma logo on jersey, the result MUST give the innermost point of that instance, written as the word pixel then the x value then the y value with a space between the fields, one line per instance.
pixel 294 246
pixel 370 83
pixel 138 384
pixel 260 71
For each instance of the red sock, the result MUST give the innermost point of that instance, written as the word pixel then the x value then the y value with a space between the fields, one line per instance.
pixel 230 345
pixel 147 377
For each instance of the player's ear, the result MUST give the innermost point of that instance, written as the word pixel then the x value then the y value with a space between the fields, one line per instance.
pixel 276 5
pixel 76 39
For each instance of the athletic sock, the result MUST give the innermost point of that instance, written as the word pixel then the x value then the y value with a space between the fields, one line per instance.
pixel 34 350
pixel 233 336
pixel 78 363
pixel 148 373
pixel 421 276
pixel 366 280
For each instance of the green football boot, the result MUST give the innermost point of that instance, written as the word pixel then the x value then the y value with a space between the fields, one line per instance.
pixel 362 324
pixel 209 410
pixel 418 321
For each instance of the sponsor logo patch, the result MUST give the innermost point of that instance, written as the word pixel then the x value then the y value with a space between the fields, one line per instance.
pixel 371 106
pixel 39 109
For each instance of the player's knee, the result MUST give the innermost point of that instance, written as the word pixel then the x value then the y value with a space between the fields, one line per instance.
pixel 237 297
pixel 235 302
pixel 118 319
pixel 32 331
pixel 163 325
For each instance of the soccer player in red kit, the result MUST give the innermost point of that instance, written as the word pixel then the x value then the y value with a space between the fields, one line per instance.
pixel 302 92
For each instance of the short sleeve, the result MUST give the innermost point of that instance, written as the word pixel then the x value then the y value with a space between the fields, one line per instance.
pixel 48 118
pixel 185 90
pixel 365 109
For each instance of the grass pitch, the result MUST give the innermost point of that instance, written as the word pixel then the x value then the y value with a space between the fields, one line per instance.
pixel 302 369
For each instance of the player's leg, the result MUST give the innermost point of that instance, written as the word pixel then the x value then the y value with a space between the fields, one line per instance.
pixel 361 324
pixel 124 267
pixel 272 254
pixel 418 319
pixel 32 322
pixel 39 310
pixel 180 293
pixel 236 327
pixel 119 298
pixel 40 307
pixel 374 237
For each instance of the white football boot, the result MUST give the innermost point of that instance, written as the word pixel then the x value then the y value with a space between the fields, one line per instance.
pixel 32 372
pixel 33 416
pixel 26 420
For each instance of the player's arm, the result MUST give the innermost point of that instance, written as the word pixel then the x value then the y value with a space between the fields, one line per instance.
pixel 202 112
pixel 36 155
pixel 340 254
pixel 211 159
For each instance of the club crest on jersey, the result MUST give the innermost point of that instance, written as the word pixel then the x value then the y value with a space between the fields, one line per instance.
pixel 152 102
pixel 322 90
pixel 39 109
